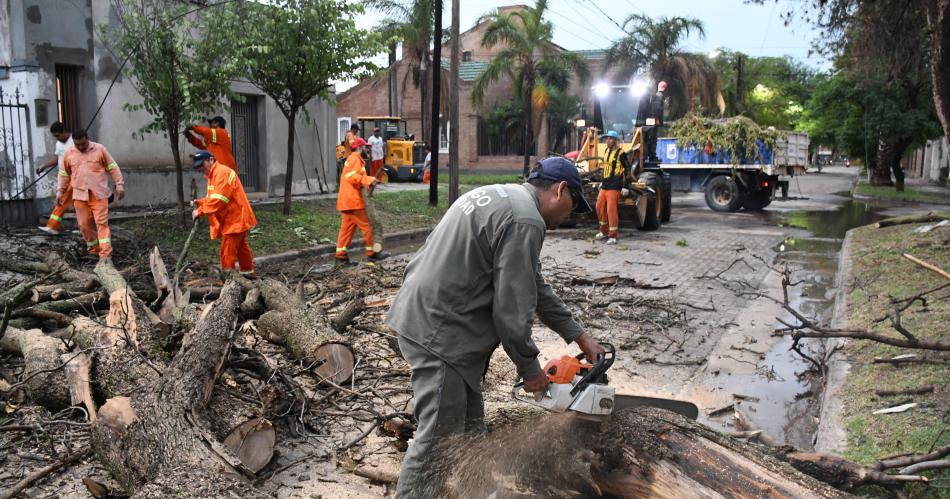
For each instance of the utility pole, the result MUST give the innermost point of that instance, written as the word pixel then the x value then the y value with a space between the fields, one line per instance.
pixel 436 86
pixel 740 83
pixel 454 107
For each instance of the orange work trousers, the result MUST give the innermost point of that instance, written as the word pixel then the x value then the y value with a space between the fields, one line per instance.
pixel 608 211
pixel 93 218
pixel 350 220
pixel 55 221
pixel 375 167
pixel 236 251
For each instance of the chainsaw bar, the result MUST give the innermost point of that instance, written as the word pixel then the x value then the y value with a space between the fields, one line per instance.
pixel 686 409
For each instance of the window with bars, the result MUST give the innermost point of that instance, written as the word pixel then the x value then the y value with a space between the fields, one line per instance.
pixel 67 95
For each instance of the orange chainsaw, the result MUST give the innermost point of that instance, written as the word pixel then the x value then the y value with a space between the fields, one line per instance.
pixel 576 385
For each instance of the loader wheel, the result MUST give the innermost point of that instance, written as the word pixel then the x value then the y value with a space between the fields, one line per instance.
pixel 649 205
pixel 666 209
pixel 722 194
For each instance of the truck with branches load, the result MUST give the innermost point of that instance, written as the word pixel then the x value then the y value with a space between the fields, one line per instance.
pixel 734 161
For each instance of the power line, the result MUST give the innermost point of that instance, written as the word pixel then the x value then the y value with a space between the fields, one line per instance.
pixel 607 15
pixel 583 38
pixel 587 20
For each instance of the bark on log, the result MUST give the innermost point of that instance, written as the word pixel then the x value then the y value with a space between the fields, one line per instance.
pixel 86 302
pixel 127 312
pixel 306 332
pixel 346 316
pixel 252 307
pixel 635 453
pixel 42 379
pixel 153 443
pixel 61 291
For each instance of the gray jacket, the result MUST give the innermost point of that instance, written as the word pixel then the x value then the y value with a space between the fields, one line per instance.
pixel 476 282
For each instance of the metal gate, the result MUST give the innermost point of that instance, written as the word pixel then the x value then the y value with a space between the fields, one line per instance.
pixel 244 143
pixel 16 162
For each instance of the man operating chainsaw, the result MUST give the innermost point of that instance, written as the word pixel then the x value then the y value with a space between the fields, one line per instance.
pixel 476 283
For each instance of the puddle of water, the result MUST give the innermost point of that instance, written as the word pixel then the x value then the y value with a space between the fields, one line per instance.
pixel 789 407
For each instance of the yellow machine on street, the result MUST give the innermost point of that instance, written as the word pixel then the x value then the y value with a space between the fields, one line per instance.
pixel 633 114
pixel 404 156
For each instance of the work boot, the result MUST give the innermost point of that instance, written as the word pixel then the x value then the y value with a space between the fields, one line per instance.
pixel 49 230
pixel 342 263
pixel 600 235
pixel 378 255
pixel 612 240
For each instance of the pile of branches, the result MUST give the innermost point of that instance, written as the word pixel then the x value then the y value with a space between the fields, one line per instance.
pixel 190 390
pixel 739 137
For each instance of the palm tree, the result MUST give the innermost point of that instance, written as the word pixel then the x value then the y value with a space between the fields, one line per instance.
pixel 655 46
pixel 412 25
pixel 534 65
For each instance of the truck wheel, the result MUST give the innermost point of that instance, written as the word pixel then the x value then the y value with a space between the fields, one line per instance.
pixel 649 205
pixel 756 201
pixel 722 194
pixel 666 208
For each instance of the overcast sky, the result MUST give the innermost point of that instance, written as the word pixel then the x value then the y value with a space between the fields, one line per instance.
pixel 756 30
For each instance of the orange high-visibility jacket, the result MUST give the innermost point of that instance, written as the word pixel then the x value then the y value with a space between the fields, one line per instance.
pixel 352 179
pixel 89 170
pixel 226 205
pixel 216 141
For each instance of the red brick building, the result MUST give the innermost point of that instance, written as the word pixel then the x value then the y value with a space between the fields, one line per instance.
pixel 371 98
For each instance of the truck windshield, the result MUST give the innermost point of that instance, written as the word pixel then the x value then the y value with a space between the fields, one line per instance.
pixel 620 109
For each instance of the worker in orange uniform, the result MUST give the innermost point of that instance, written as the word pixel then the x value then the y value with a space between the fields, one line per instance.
pixel 229 212
pixel 86 169
pixel 214 139
pixel 350 203
pixel 615 164
pixel 352 134
pixel 64 140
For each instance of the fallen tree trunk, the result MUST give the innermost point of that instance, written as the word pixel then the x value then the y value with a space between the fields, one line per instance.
pixel 87 302
pixel 306 332
pixel 918 218
pixel 61 291
pixel 635 453
pixel 153 443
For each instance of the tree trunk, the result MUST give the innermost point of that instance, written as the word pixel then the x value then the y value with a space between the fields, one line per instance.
pixel 306 332
pixel 179 180
pixel 393 69
pixel 881 169
pixel 154 443
pixel 938 17
pixel 289 175
pixel 635 453
pixel 528 125
pixel 454 107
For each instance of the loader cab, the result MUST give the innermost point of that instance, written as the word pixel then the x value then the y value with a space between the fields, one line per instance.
pixel 404 156
pixel 621 108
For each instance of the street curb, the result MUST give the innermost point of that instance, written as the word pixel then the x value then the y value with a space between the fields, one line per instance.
pixel 831 436
pixel 393 239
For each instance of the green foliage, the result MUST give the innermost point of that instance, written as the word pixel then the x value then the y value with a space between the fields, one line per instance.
pixel 294 49
pixel 774 89
pixel 179 76
pixel 737 136
pixel 654 47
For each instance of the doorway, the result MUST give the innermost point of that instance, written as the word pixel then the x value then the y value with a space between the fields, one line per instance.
pixel 244 141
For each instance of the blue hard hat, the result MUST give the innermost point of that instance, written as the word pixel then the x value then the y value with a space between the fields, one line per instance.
pixel 200 157
pixel 559 168
pixel 611 133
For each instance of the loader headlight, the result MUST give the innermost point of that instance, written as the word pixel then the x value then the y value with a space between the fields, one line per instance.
pixel 601 89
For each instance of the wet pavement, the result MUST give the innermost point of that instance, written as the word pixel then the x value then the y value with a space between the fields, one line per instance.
pixel 729 354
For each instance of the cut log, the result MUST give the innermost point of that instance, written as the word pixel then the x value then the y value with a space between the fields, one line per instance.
pixel 87 302
pixel 253 443
pixel 126 311
pixel 19 293
pixel 918 218
pixel 153 443
pixel 636 453
pixel 42 377
pixel 62 291
pixel 306 332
